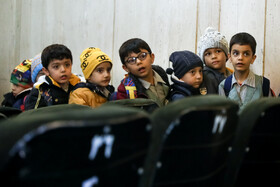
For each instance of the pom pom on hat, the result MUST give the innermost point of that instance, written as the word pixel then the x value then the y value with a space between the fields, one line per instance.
pixel 21 75
pixel 183 61
pixel 90 58
pixel 169 71
pixel 211 39
pixel 36 67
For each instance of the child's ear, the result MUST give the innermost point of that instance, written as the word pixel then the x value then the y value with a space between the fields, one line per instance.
pixel 253 59
pixel 228 55
pixel 46 72
pixel 125 68
pixel 153 57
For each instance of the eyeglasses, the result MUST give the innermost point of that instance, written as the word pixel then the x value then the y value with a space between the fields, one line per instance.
pixel 132 60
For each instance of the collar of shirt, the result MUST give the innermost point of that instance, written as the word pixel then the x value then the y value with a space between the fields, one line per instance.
pixel 250 81
pixel 157 79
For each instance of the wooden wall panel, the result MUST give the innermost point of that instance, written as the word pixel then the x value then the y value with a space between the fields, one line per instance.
pixel 272 47
pixel 245 16
pixel 166 25
pixel 208 16
pixel 28 26
pixel 72 23
pixel 9 39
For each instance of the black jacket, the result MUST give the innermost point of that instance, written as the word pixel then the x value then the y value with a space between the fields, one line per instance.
pixel 48 93
pixel 181 90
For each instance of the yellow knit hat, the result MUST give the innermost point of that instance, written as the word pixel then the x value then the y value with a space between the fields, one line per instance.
pixel 90 58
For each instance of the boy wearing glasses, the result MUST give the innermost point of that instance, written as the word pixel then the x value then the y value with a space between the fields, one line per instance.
pixel 143 80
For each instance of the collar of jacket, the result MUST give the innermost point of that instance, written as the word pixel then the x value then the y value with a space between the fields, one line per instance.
pixel 48 79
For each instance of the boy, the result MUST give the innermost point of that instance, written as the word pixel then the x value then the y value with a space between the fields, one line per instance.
pixel 188 79
pixel 59 80
pixel 21 86
pixel 213 50
pixel 143 80
pixel 243 86
pixel 96 67
pixel 36 69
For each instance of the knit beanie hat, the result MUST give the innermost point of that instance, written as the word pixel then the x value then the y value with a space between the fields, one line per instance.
pixel 183 61
pixel 211 39
pixel 21 75
pixel 36 67
pixel 90 58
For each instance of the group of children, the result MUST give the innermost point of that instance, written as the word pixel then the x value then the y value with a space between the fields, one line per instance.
pixel 47 79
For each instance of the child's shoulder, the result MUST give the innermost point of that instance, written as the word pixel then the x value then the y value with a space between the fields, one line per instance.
pixel 264 82
pixel 227 82
pixel 9 99
pixel 159 70
pixel 162 73
pixel 85 86
pixel 80 85
pixel 209 70
pixel 129 80
pixel 74 79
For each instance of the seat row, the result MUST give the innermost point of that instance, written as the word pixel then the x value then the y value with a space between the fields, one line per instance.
pixel 196 141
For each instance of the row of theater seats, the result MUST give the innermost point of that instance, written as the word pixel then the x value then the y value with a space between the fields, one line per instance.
pixel 201 141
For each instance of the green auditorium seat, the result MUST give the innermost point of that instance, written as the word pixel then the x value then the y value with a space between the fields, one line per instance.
pixel 7 112
pixel 146 104
pixel 190 142
pixel 255 155
pixel 81 146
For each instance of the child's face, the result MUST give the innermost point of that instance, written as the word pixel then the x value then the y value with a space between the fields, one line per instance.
pixel 59 70
pixel 142 68
pixel 241 56
pixel 17 89
pixel 101 75
pixel 193 77
pixel 40 73
pixel 215 58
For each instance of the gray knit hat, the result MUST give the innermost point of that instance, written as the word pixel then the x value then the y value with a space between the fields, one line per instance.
pixel 183 61
pixel 36 67
pixel 211 39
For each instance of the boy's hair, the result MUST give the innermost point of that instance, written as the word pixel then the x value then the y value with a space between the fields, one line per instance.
pixel 243 38
pixel 132 45
pixel 55 51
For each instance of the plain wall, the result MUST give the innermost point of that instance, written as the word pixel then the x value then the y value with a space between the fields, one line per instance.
pixel 28 26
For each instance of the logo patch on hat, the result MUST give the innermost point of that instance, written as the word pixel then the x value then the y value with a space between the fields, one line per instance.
pixel 103 58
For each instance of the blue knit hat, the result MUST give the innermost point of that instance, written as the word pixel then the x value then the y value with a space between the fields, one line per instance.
pixel 183 61
pixel 36 67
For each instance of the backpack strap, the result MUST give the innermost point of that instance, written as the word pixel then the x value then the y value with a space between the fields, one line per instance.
pixel 40 92
pixel 161 73
pixel 265 87
pixel 227 85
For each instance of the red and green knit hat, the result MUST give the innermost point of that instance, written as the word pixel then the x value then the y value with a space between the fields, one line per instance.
pixel 21 75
